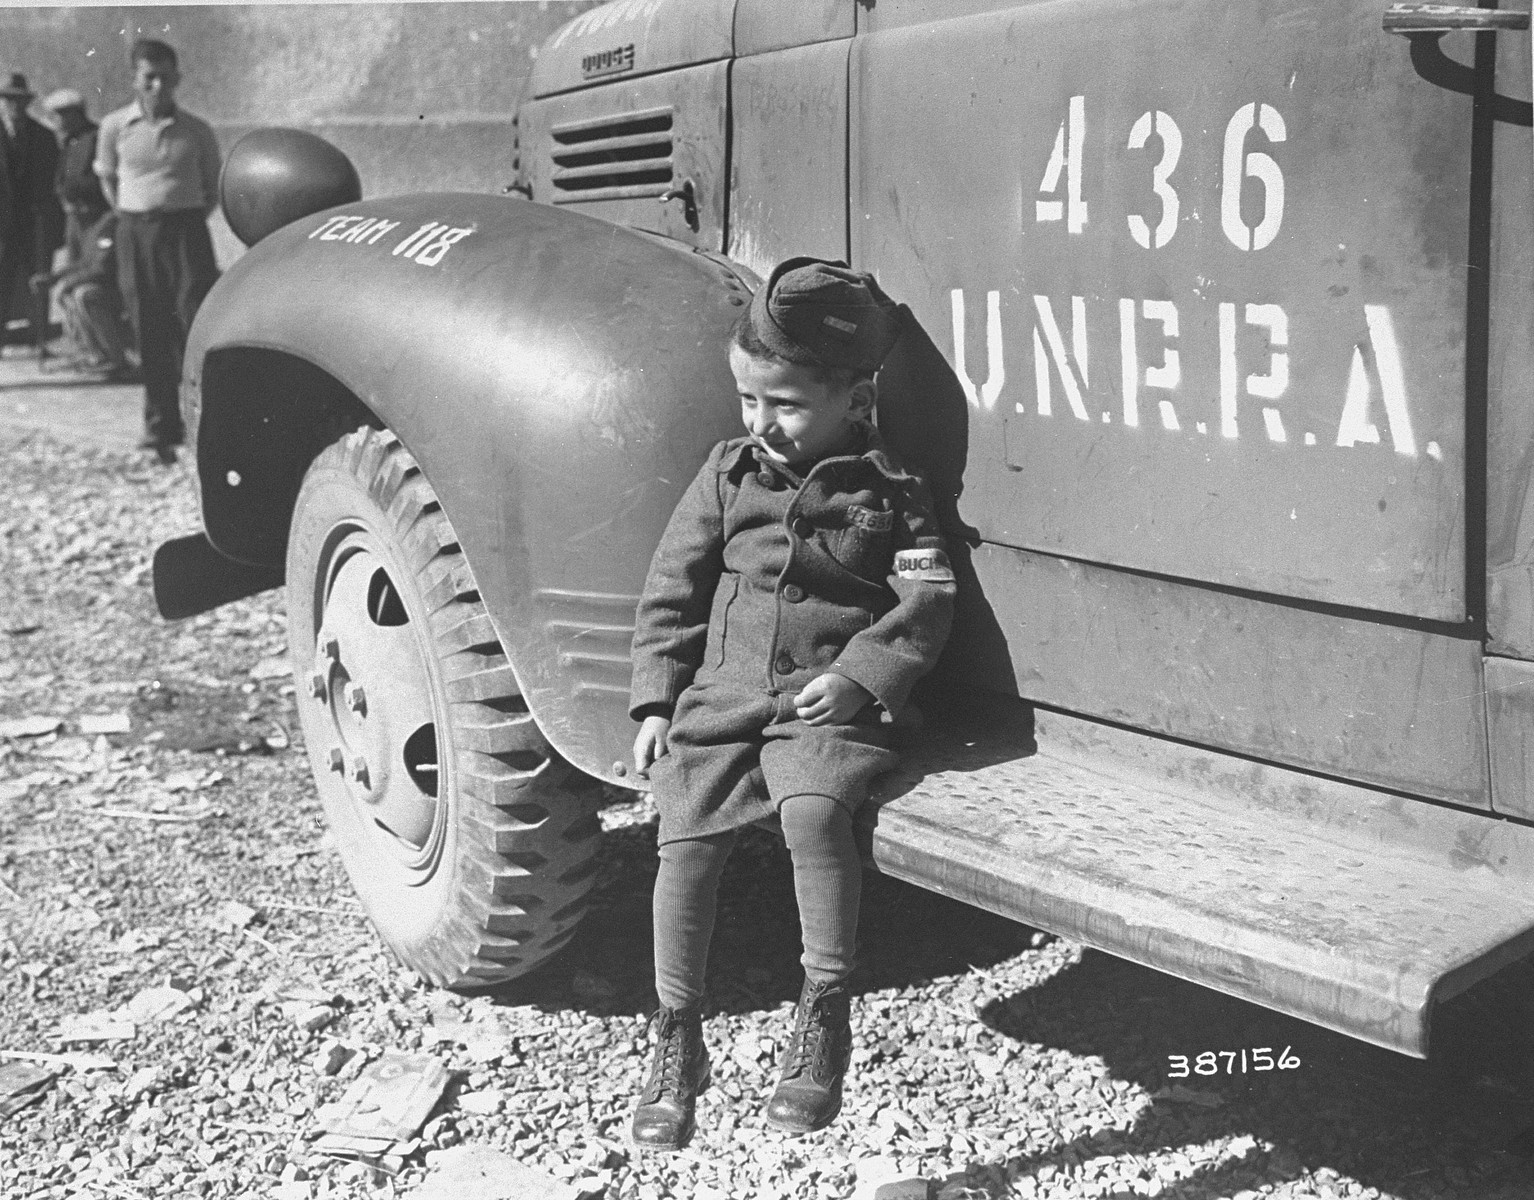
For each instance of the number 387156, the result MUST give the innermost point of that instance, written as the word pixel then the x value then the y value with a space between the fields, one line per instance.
pixel 1224 1062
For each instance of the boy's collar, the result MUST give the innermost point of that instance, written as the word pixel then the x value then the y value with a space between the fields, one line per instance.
pixel 870 447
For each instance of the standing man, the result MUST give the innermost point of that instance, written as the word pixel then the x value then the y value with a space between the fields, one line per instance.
pixel 31 224
pixel 159 169
pixel 75 183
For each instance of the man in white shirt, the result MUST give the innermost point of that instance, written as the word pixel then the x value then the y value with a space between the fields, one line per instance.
pixel 159 168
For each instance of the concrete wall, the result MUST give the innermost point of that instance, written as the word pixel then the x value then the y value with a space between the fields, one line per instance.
pixel 420 96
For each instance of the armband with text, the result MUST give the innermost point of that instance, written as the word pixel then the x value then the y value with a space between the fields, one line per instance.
pixel 929 564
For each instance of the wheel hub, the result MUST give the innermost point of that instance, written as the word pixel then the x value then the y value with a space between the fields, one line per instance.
pixel 370 678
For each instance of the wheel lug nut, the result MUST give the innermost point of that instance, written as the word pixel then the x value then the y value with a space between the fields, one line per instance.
pixel 330 647
pixel 335 759
pixel 356 699
pixel 359 772
pixel 319 687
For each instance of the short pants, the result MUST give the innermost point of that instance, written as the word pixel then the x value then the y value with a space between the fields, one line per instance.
pixel 733 755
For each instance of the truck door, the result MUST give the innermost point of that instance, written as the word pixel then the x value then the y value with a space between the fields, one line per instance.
pixel 628 117
pixel 1199 269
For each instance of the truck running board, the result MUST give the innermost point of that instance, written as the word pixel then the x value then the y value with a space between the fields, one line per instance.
pixel 1349 907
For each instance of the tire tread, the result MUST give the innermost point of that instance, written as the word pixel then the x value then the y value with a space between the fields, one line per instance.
pixel 526 837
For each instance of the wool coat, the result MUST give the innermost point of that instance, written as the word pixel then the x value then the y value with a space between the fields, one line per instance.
pixel 762 581
pixel 31 221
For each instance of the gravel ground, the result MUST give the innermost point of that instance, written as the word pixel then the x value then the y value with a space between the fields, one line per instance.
pixel 991 1060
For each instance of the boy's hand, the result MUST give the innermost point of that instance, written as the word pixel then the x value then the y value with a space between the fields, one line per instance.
pixel 831 699
pixel 651 743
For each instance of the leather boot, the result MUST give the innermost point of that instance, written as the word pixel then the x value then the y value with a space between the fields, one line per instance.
pixel 678 1072
pixel 809 1091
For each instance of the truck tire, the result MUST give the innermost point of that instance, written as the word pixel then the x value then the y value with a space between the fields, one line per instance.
pixel 470 842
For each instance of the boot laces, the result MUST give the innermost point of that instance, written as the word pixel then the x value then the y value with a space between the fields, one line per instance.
pixel 810 1045
pixel 667 1075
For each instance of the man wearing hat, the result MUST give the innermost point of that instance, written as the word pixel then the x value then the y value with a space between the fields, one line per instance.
pixel 75 182
pixel 31 222
pixel 799 592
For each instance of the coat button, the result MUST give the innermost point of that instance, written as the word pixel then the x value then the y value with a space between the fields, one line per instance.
pixel 764 477
pixel 786 665
pixel 803 526
pixel 793 593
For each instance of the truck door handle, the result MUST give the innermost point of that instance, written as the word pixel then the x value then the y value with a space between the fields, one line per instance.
pixel 689 200
pixel 1423 25
pixel 1451 18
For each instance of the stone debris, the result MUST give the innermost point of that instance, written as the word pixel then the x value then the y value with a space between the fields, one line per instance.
pixel 30 727
pixel 275 666
pixel 481 1173
pixel 991 1062
pixel 311 1018
pixel 1180 1094
pixel 22 1084
pixel 331 1057
pixel 103 723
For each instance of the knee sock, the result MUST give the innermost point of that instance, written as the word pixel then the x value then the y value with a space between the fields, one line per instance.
pixel 686 899
pixel 828 883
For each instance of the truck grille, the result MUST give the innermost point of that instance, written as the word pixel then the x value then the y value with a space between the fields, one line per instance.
pixel 619 157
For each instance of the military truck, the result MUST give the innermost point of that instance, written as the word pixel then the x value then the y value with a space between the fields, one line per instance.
pixel 1219 360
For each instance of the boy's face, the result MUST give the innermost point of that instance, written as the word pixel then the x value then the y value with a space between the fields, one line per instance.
pixel 793 413
pixel 155 84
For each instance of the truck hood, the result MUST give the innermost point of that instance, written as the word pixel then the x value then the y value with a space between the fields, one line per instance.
pixel 633 37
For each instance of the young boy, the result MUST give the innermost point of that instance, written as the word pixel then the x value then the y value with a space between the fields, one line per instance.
pixel 798 593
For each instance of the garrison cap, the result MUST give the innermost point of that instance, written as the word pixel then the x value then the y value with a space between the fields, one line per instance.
pixel 821 313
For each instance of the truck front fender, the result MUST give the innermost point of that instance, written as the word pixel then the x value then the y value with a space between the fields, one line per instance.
pixel 557 378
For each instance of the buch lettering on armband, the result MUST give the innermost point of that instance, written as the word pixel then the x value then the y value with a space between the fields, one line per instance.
pixel 927 565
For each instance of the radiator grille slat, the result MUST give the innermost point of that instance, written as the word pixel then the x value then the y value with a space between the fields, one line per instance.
pixel 621 156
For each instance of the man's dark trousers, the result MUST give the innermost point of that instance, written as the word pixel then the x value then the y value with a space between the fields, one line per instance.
pixel 165 267
pixel 18 260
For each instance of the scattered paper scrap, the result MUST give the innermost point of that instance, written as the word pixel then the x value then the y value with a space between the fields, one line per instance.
pixel 22 1083
pixel 77 1061
pixel 98 1026
pixel 377 1120
pixel 156 1004
pixel 128 814
pixel 94 723
pixel 30 727
pixel 486 1103
pixel 231 914
pixel 482 1042
pixel 484 1173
